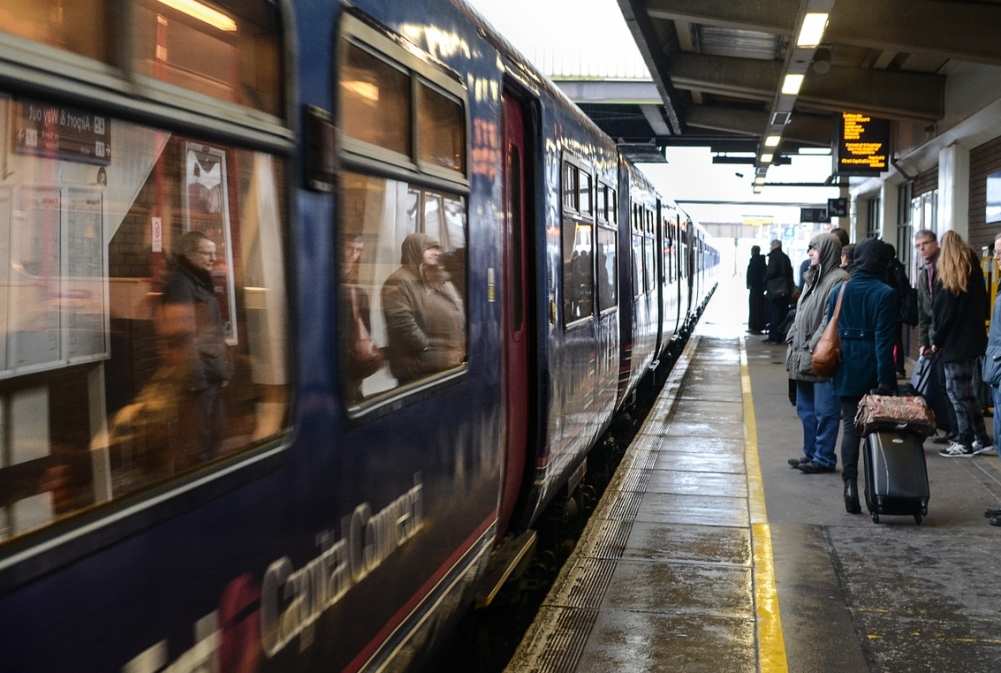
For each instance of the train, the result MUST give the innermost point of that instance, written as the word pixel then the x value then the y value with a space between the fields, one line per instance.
pixel 437 282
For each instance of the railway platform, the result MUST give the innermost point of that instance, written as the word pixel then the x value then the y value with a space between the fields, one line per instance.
pixel 709 553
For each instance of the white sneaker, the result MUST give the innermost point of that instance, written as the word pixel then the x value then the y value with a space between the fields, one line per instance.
pixel 979 449
pixel 956 450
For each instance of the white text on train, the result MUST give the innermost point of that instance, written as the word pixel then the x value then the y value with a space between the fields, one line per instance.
pixel 292 600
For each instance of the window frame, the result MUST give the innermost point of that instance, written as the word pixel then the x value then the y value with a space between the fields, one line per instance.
pixel 572 165
pixel 56 76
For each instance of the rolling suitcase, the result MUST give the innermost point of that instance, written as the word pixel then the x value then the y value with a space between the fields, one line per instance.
pixel 896 475
pixel 925 382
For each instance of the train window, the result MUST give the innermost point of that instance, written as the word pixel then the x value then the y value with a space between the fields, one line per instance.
pixel 80 27
pixel 440 125
pixel 375 101
pixel 584 202
pixel 578 272
pixel 651 258
pixel 637 252
pixel 607 281
pixel 228 49
pixel 403 284
pixel 402 295
pixel 121 365
pixel 601 202
pixel 571 185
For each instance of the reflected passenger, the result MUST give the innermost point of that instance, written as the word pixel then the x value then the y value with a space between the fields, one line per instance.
pixel 425 317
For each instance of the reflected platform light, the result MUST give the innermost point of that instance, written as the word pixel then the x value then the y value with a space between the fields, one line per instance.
pixel 203 13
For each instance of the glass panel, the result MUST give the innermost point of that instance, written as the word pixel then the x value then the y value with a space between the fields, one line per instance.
pixel 402 293
pixel 375 101
pixel 637 262
pixel 651 268
pixel 81 27
pixel 601 203
pixel 440 130
pixel 578 272
pixel 123 366
pixel 570 182
pixel 585 194
pixel 516 244
pixel 607 280
pixel 228 50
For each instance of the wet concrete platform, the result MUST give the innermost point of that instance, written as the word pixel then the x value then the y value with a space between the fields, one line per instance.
pixel 709 553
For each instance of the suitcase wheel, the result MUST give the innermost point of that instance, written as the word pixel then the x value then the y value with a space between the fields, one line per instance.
pixel 875 517
pixel 917 519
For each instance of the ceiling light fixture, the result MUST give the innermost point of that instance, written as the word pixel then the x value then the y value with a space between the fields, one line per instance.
pixel 791 84
pixel 767 158
pixel 772 141
pixel 810 34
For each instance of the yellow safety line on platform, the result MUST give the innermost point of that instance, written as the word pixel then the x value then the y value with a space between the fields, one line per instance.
pixel 771 645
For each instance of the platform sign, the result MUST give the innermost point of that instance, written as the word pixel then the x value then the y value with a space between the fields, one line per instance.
pixel 813 215
pixel 61 132
pixel 837 207
pixel 861 144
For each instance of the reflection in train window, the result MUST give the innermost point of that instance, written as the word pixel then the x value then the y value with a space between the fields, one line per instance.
pixel 375 101
pixel 606 259
pixel 121 364
pixel 403 280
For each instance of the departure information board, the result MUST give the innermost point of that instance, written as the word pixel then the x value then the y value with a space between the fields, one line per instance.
pixel 862 144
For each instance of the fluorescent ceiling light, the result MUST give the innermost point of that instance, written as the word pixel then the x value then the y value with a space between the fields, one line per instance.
pixel 814 24
pixel 790 85
pixel 814 150
pixel 203 13
pixel 767 158
pixel 772 141
pixel 760 180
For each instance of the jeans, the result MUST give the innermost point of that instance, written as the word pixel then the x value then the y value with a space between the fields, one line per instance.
pixel 996 396
pixel 851 438
pixel 817 408
pixel 962 395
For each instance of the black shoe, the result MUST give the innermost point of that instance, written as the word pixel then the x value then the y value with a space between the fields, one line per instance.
pixel 995 520
pixel 796 462
pixel 852 505
pixel 989 513
pixel 813 467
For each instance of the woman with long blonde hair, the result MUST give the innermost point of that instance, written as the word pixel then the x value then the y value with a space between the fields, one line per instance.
pixel 958 336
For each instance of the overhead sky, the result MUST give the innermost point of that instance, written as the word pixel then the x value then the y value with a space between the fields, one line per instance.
pixel 590 37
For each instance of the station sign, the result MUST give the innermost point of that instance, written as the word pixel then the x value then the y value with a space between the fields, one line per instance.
pixel 61 132
pixel 837 207
pixel 861 144
pixel 813 215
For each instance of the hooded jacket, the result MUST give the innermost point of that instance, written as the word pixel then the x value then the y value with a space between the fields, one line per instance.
pixel 866 325
pixel 805 333
pixel 425 316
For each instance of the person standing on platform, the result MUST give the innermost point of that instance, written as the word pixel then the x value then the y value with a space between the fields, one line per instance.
pixel 778 285
pixel 960 310
pixel 992 372
pixel 865 327
pixel 816 405
pixel 926 244
pixel 756 319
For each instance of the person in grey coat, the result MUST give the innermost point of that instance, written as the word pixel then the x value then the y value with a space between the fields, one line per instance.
pixel 816 405
pixel 425 316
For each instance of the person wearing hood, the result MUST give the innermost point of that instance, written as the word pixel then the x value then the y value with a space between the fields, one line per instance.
pixel 193 323
pixel 960 311
pixel 779 285
pixel 866 327
pixel 425 316
pixel 816 405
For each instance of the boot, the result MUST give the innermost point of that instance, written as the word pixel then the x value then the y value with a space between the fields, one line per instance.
pixel 852 505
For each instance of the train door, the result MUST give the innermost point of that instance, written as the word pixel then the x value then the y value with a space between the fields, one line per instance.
pixel 515 314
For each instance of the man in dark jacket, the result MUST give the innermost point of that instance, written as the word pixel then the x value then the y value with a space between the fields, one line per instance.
pixel 865 326
pixel 193 325
pixel 779 284
pixel 756 319
pixel 927 283
pixel 425 316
